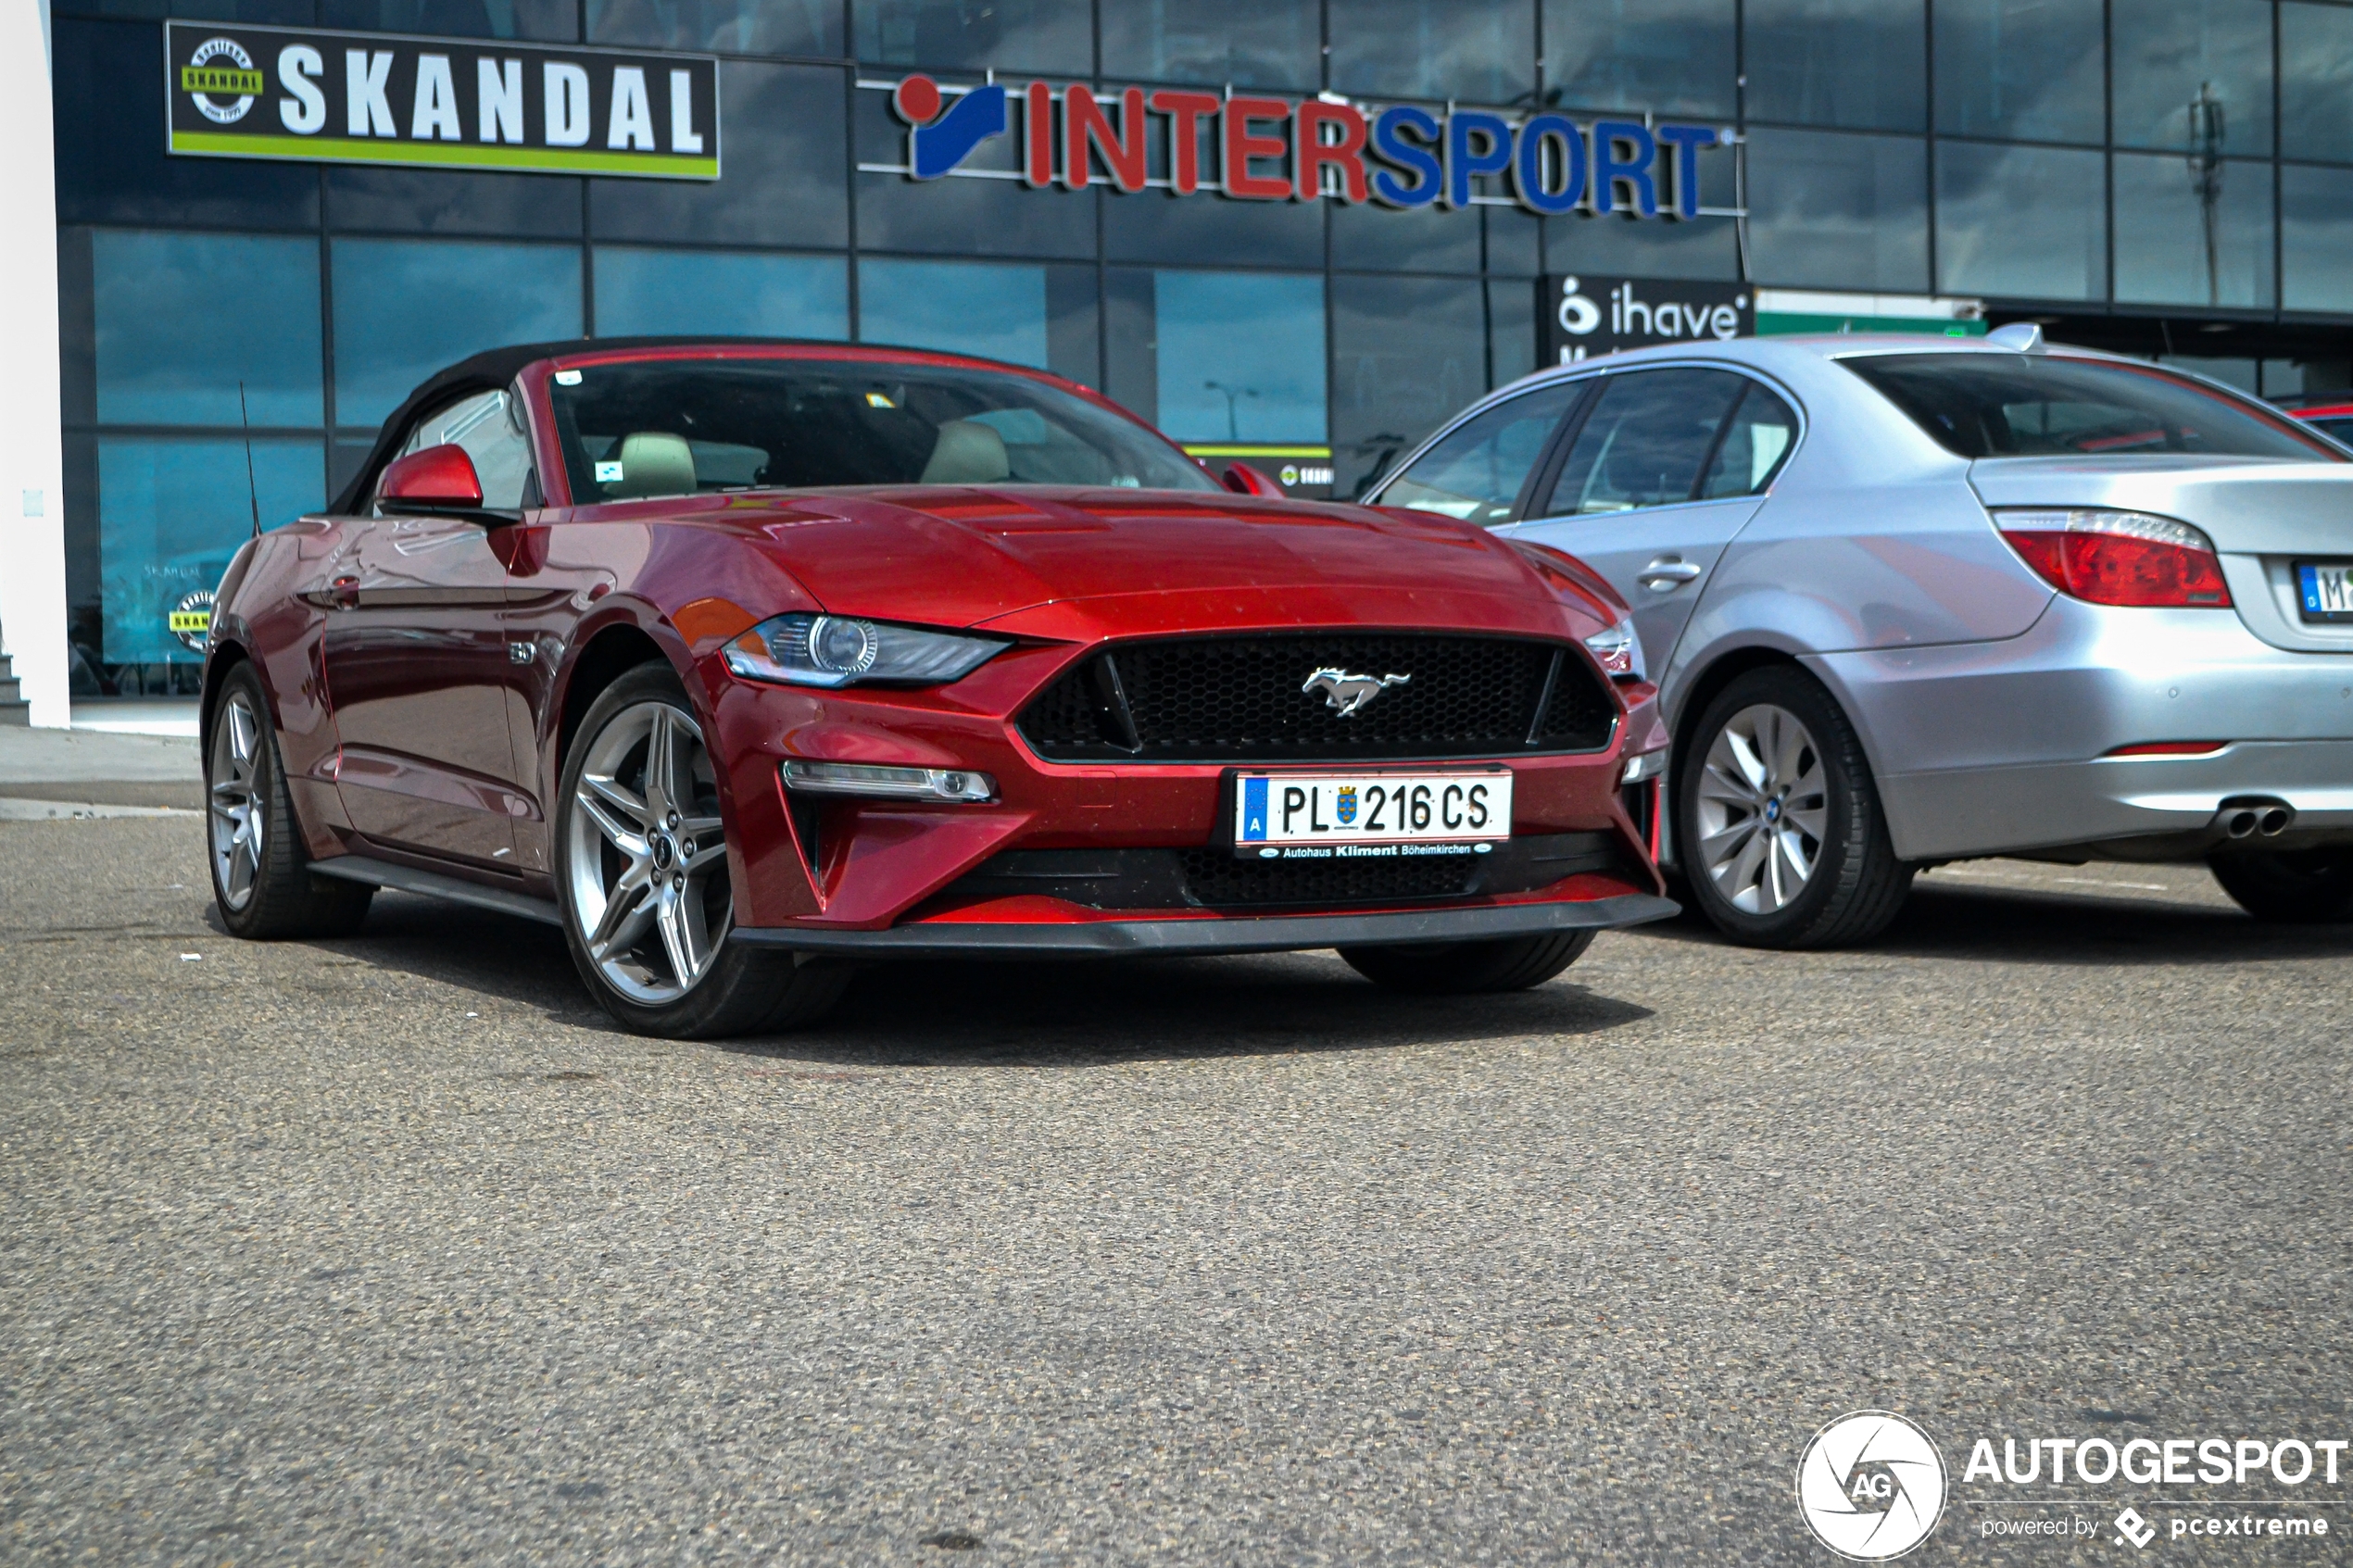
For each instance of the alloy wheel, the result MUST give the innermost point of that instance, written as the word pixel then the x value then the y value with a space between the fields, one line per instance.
pixel 647 858
pixel 1763 809
pixel 238 816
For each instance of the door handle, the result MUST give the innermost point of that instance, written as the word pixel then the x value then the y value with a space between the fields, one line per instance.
pixel 1665 574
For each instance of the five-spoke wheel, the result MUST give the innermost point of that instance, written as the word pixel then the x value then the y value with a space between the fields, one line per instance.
pixel 240 816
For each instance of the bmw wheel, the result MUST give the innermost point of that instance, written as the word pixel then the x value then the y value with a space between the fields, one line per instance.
pixel 644 880
pixel 262 879
pixel 1778 824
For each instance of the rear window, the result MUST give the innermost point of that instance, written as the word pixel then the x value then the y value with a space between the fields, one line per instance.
pixel 2033 405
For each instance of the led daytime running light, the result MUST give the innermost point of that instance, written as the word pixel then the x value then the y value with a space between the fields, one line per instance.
pixel 884 783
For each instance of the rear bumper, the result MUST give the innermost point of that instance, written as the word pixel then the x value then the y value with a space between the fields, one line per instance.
pixel 1204 934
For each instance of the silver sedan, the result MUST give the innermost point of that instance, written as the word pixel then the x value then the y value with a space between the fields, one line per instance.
pixel 1918 599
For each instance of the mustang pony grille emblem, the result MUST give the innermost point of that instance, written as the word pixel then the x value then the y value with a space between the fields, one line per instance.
pixel 1345 693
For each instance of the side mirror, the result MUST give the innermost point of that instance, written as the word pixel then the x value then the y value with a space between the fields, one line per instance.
pixel 439 478
pixel 1242 479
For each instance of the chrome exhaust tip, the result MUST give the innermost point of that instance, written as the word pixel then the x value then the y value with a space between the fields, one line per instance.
pixel 2251 816
pixel 2238 825
pixel 2273 822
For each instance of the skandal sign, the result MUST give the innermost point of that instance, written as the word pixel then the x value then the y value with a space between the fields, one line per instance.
pixel 441 102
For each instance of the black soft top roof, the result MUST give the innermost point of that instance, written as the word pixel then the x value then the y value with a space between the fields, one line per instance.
pixel 495 368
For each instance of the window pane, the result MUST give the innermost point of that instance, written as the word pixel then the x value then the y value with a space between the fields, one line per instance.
pixel 1481 51
pixel 2316 82
pixel 1476 473
pixel 2166 229
pixel 2027 69
pixel 1511 330
pixel 971 308
pixel 1861 64
pixel 171 514
pixel 405 308
pixel 1705 248
pixel 2021 221
pixel 654 292
pixel 1836 211
pixel 183 318
pixel 1150 227
pixel 1421 239
pixel 556 21
pixel 447 201
pixel 2169 52
pixel 784 183
pixel 1762 431
pixel 2316 235
pixel 1644 441
pixel 727 27
pixel 1248 43
pixel 1674 56
pixel 1240 355
pixel 1407 355
pixel 1044 35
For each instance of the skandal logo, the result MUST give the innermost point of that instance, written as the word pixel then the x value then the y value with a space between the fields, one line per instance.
pixel 207 82
pixel 1871 1485
pixel 192 620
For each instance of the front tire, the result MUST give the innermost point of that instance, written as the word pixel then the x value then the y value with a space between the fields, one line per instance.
pixel 2291 886
pixel 1777 825
pixel 261 880
pixel 1458 969
pixel 642 875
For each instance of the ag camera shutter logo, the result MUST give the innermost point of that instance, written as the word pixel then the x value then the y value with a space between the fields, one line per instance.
pixel 1871 1485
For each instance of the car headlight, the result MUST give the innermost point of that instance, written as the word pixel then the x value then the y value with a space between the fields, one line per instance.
pixel 1619 650
pixel 834 650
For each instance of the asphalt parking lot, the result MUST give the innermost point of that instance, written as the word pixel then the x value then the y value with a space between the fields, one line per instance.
pixel 394 1249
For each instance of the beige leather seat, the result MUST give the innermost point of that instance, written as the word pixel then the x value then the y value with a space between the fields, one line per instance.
pixel 653 462
pixel 967 453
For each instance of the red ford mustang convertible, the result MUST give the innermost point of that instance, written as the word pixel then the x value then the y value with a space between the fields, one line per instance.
pixel 746 662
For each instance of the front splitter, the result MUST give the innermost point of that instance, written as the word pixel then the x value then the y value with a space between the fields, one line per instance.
pixel 1211 935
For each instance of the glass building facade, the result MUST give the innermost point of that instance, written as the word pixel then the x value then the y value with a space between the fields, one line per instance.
pixel 2168 177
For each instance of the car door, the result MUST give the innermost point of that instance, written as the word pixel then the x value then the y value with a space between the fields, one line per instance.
pixel 417 663
pixel 1663 467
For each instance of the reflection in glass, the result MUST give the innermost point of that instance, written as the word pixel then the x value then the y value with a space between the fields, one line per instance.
pixel 2316 82
pixel 1421 239
pixel 1646 442
pixel 733 26
pixel 448 201
pixel 784 183
pixel 997 312
pixel 405 309
pixel 1046 35
pixel 2188 72
pixel 1860 63
pixel 2184 239
pixel 1247 43
pixel 681 291
pixel 1511 330
pixel 2021 221
pixel 1240 355
pixel 2023 69
pixel 1705 248
pixel 1480 51
pixel 183 318
pixel 1407 354
pixel 1154 226
pixel 2316 235
pixel 1829 210
pixel 1674 56
pixel 171 514
pixel 1478 471
pixel 555 21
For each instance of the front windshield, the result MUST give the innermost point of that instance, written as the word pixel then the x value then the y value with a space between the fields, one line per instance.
pixel 2034 405
pixel 676 427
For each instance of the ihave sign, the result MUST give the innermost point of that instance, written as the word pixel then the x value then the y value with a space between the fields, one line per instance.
pixel 1281 149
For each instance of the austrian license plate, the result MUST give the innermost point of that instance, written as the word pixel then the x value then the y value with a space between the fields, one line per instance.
pixel 2324 589
pixel 1311 816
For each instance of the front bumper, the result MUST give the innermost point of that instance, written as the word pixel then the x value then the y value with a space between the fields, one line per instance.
pixel 1991 748
pixel 1199 936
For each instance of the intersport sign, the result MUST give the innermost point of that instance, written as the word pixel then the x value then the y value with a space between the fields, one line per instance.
pixel 447 103
pixel 1252 149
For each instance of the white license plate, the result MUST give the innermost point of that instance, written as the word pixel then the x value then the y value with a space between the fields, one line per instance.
pixel 1345 815
pixel 2324 590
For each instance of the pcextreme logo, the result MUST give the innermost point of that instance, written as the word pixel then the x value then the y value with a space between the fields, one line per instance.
pixel 1283 149
pixel 1871 1485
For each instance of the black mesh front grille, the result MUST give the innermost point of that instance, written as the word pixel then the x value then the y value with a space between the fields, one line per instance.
pixel 1244 699
pixel 1215 877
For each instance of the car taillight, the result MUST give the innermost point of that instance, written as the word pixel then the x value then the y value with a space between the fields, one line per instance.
pixel 2118 557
